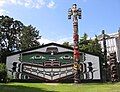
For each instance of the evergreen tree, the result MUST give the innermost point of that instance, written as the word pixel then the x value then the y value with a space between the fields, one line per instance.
pixel 29 37
pixel 89 45
pixel 83 43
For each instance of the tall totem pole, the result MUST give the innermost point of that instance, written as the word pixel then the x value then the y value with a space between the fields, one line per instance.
pixel 76 14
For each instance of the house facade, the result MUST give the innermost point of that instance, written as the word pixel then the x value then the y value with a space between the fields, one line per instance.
pixel 51 63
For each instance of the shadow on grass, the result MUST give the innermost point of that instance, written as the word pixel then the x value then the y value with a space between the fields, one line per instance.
pixel 19 88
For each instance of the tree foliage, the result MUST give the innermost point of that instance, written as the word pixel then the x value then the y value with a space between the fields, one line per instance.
pixel 3 72
pixel 10 31
pixel 29 37
pixel 66 44
pixel 15 36
pixel 90 45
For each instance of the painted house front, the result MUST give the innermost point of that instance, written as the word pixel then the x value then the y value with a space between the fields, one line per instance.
pixel 51 63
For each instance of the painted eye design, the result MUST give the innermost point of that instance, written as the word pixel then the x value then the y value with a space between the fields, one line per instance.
pixel 66 57
pixel 37 57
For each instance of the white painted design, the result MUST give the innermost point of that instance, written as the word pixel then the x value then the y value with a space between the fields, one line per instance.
pixel 96 65
pixel 48 73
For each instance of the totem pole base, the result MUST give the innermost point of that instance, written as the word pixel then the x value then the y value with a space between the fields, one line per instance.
pixel 76 77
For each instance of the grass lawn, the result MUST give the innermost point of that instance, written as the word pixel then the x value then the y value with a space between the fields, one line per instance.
pixel 56 87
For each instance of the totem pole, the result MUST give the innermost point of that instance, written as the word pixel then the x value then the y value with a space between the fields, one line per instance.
pixel 105 54
pixel 76 14
pixel 104 47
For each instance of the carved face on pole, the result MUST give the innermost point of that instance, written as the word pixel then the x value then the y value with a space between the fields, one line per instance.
pixel 74 10
pixel 74 7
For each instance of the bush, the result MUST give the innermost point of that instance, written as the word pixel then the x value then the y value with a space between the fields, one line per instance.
pixel 3 73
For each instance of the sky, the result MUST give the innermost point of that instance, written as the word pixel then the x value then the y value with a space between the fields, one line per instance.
pixel 50 17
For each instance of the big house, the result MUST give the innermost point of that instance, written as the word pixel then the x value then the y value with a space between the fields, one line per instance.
pixel 52 62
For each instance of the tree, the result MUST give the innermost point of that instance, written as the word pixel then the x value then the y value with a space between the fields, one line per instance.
pixel 15 36
pixel 29 37
pixel 66 44
pixel 97 47
pixel 83 43
pixel 90 45
pixel 10 31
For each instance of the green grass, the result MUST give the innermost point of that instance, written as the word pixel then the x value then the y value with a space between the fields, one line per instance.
pixel 56 87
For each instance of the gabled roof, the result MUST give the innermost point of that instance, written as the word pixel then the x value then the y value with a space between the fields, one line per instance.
pixel 49 44
pixel 41 46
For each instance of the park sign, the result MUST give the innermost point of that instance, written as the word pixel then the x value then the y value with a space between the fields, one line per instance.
pixel 52 63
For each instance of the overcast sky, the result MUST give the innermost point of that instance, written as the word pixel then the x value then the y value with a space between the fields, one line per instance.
pixel 50 16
